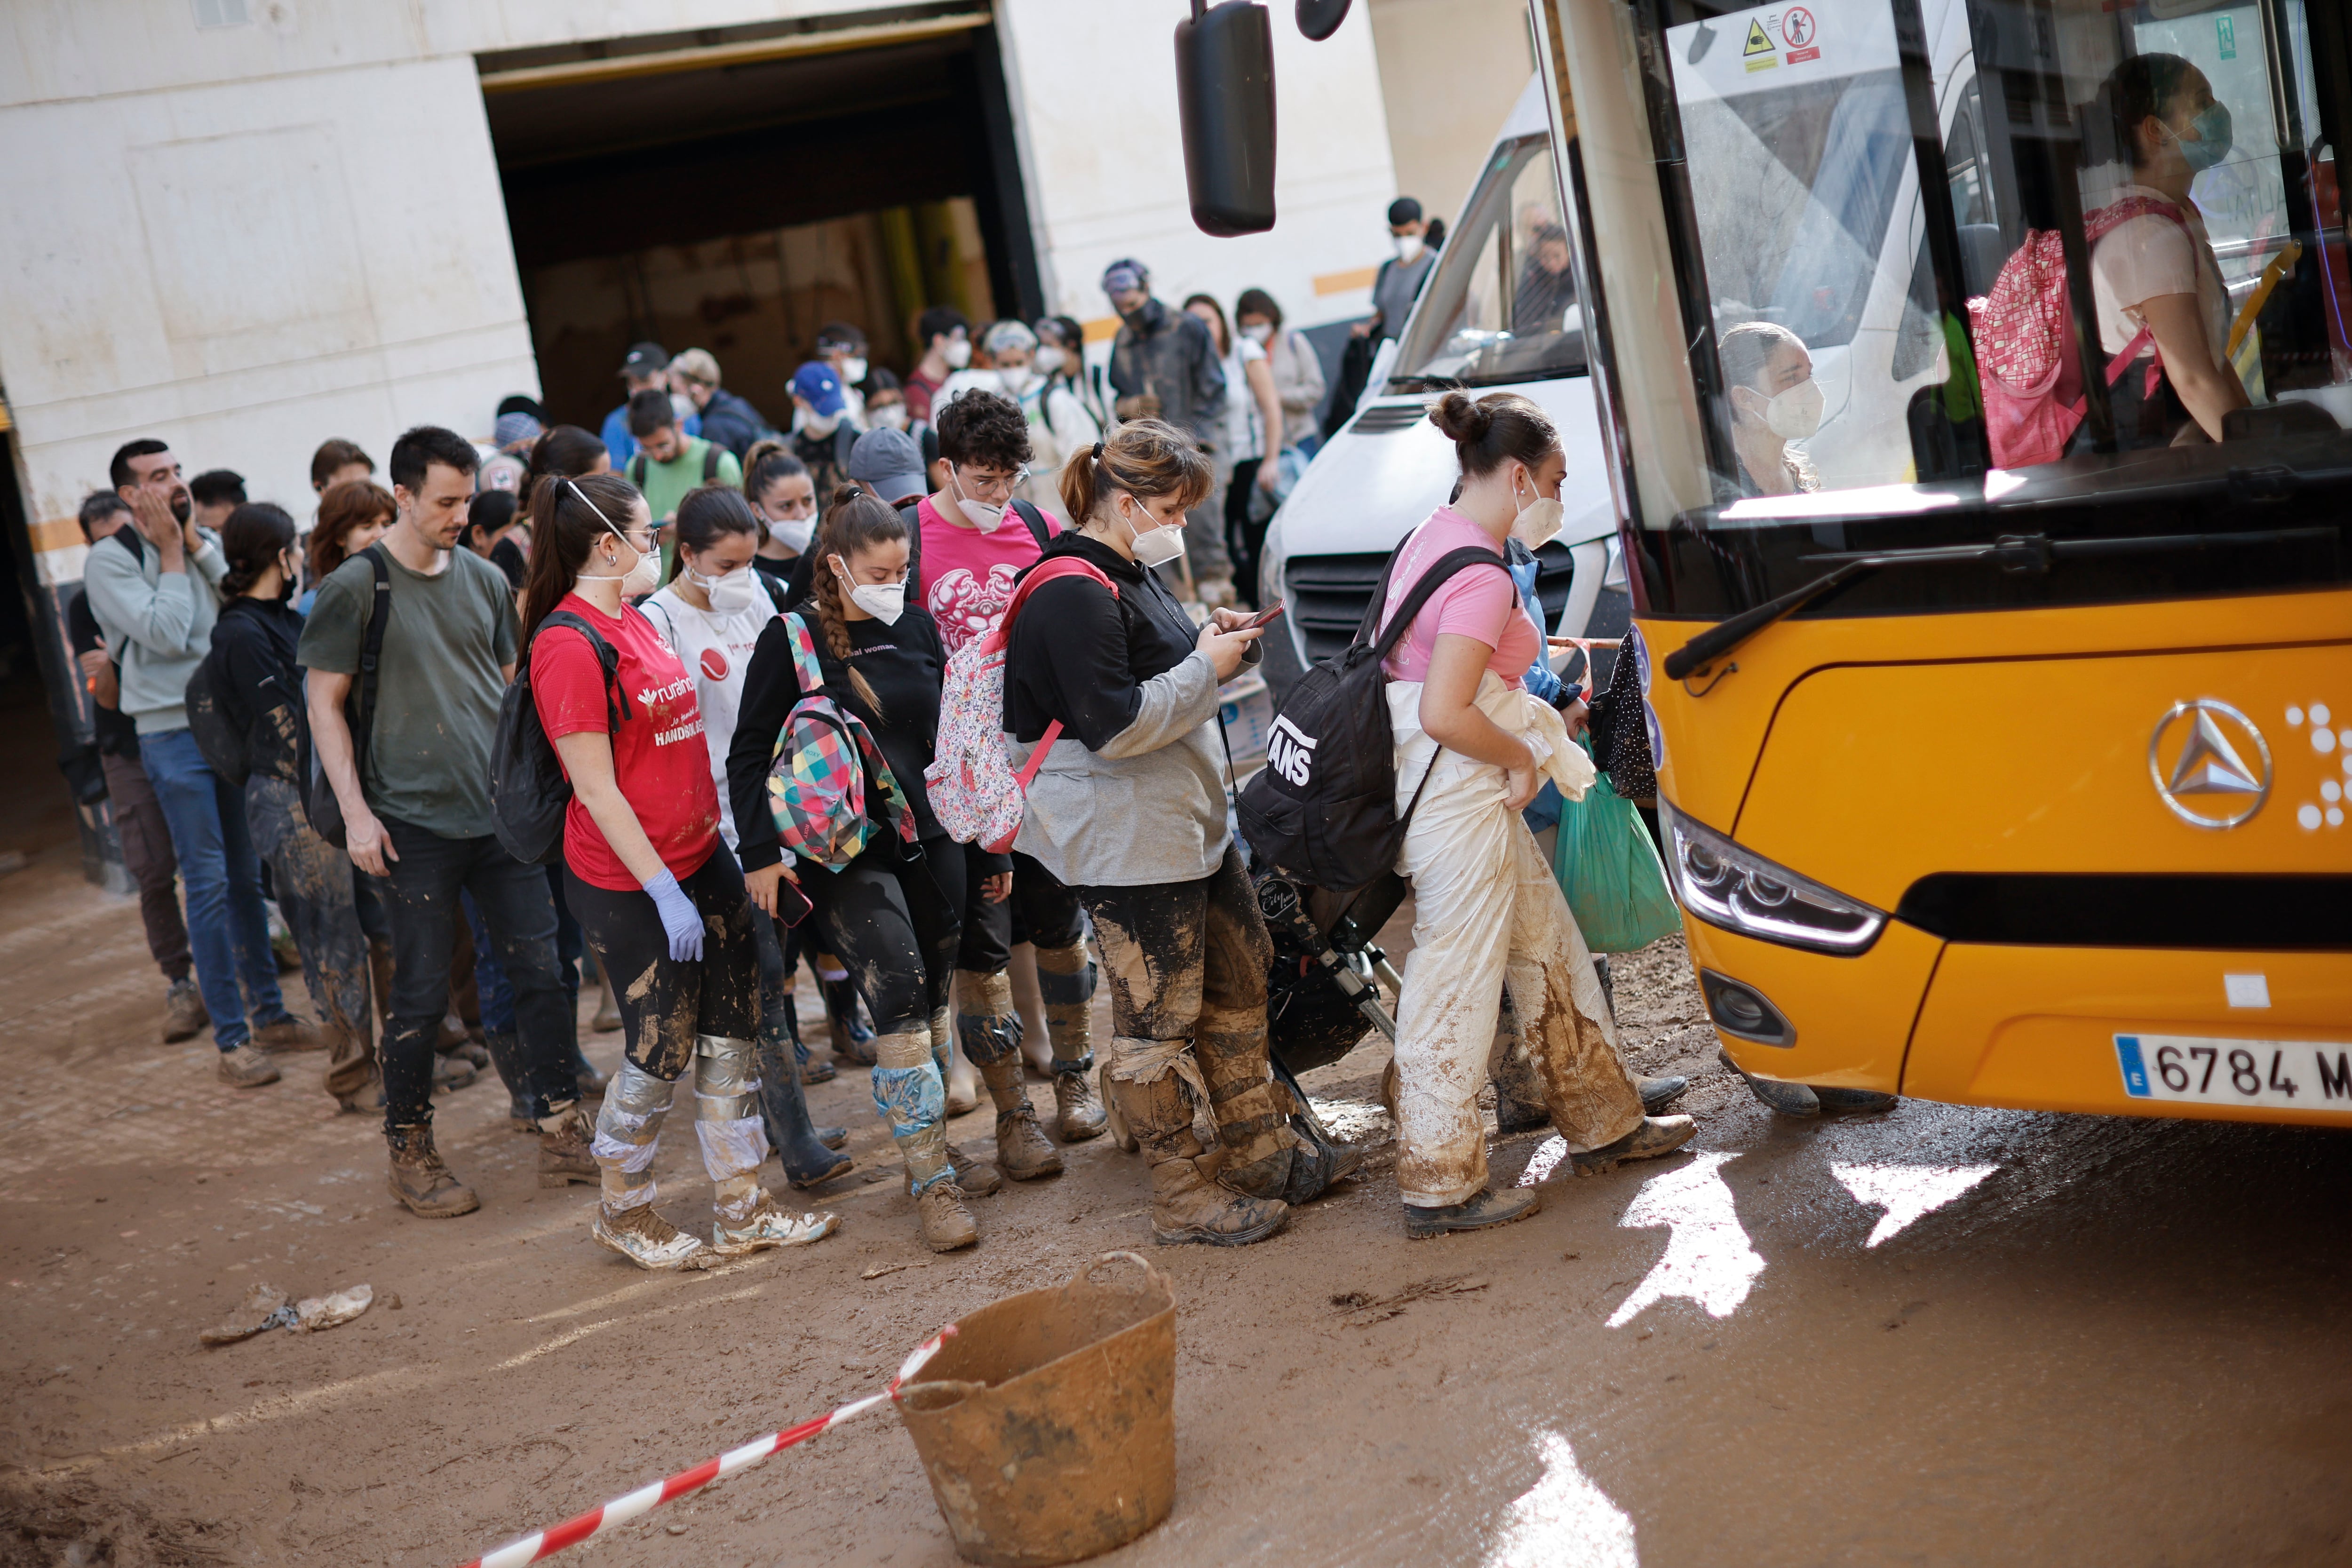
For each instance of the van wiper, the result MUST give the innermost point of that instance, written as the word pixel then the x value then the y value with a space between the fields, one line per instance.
pixel 2020 555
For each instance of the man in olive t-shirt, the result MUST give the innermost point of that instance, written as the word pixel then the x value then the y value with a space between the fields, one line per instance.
pixel 418 812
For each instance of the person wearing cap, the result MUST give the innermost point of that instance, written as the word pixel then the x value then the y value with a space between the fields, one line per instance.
pixel 513 436
pixel 889 465
pixel 842 345
pixel 727 418
pixel 822 432
pixel 646 369
pixel 1170 355
pixel 1398 282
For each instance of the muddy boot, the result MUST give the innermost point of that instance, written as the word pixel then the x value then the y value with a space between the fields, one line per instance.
pixel 184 1012
pixel 804 1151
pixel 291 1034
pixel 1481 1211
pixel 1519 1095
pixel 810 1070
pixel 1113 1123
pixel 1657 1093
pixel 767 1225
pixel 1317 1160
pixel 565 1146
pixel 940 1215
pixel 506 1060
pixel 246 1067
pixel 852 1040
pixel 363 1097
pixel 1657 1135
pixel 587 1076
pixel 420 1181
pixel 1185 1204
pixel 1079 1115
pixel 451 1073
pixel 645 1238
pixel 1021 1150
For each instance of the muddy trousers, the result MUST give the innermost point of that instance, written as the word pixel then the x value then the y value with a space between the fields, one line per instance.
pixel 1187 964
pixel 421 907
pixel 313 879
pixel 896 924
pixel 146 840
pixel 1487 914
pixel 1046 914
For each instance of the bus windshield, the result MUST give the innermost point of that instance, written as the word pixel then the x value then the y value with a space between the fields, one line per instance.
pixel 1501 306
pixel 1957 269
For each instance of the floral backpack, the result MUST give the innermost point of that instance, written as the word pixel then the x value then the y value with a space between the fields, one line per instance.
pixel 825 762
pixel 2031 381
pixel 974 791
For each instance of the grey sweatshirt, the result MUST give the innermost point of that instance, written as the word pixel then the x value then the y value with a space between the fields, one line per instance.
pixel 158 624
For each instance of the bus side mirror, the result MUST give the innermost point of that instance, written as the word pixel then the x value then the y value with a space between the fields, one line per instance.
pixel 1225 92
pixel 1318 19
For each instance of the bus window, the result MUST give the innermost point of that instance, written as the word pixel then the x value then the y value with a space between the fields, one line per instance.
pixel 1501 307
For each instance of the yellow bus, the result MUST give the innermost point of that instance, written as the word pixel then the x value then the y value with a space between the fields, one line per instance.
pixel 1999 670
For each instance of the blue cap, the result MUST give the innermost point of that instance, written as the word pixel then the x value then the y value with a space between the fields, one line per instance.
pixel 816 384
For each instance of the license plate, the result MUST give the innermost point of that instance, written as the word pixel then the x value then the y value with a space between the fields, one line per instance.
pixel 2290 1075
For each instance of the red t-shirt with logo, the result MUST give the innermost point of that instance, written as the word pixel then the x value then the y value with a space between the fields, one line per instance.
pixel 968 575
pixel 660 758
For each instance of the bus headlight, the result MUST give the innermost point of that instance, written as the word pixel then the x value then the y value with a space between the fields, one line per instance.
pixel 1725 885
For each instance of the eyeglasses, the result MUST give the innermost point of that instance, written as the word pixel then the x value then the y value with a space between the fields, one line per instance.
pixel 991 489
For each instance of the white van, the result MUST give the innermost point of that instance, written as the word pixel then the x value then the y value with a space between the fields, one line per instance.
pixel 1495 315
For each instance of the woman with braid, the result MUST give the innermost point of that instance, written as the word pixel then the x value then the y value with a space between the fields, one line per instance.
pixel 893 913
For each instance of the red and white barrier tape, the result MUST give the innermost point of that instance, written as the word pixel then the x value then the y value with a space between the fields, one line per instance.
pixel 644 1499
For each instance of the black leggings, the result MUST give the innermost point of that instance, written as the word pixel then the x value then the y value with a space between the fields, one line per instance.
pixel 896 924
pixel 1041 911
pixel 1243 539
pixel 664 1003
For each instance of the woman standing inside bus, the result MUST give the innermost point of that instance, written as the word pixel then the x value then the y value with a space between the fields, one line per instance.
pixel 661 900
pixel 1474 747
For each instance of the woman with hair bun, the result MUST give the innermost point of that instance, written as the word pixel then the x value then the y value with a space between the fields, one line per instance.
pixel 259 688
pixel 1474 747
pixel 1129 813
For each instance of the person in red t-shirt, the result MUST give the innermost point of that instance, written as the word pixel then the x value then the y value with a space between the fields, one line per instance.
pixel 947 348
pixel 661 900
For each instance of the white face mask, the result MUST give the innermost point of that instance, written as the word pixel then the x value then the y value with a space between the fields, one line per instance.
pixel 982 516
pixel 1539 521
pixel 640 579
pixel 890 416
pixel 1017 379
pixel 1795 414
pixel 1156 545
pixel 957 353
pixel 885 602
pixel 852 371
pixel 1050 358
pixel 731 593
pixel 820 424
pixel 1260 332
pixel 794 533
pixel 1408 249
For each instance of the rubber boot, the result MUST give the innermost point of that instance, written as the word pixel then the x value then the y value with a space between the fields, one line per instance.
pixel 506 1057
pixel 565 1156
pixel 1066 982
pixel 807 1156
pixel 1022 1151
pixel 810 1070
pixel 852 1040
pixel 977 1180
pixel 420 1181
pixel 1186 1206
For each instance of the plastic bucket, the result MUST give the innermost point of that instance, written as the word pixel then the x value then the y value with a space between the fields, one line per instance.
pixel 1048 1424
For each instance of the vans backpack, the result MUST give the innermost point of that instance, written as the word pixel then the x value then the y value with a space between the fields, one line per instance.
pixel 826 762
pixel 1323 809
pixel 528 790
pixel 2032 382
pixel 974 791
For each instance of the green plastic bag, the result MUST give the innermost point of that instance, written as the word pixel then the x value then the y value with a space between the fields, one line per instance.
pixel 1610 872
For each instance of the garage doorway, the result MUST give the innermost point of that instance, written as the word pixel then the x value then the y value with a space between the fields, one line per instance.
pixel 735 189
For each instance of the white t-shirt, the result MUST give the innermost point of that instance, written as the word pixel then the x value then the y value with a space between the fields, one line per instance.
pixel 1244 435
pixel 2146 256
pixel 717 650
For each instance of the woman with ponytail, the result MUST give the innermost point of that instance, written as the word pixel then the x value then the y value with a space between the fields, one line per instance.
pixel 1129 812
pixel 892 913
pixel 1487 913
pixel 783 497
pixel 259 688
pixel 644 870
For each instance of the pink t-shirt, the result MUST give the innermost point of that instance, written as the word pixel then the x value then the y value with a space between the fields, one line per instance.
pixel 968 575
pixel 1475 602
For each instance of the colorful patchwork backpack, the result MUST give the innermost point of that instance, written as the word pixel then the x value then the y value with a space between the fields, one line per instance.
pixel 974 791
pixel 826 762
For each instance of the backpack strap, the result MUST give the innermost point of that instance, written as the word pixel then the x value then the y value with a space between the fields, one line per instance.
pixel 804 659
pixel 616 701
pixel 709 461
pixel 637 470
pixel 371 655
pixel 1440 572
pixel 911 513
pixel 1046 571
pixel 1037 528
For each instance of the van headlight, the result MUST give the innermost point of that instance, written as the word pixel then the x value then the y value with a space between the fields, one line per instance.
pixel 1738 890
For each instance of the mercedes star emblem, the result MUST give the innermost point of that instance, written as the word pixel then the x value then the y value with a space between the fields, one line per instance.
pixel 2209 782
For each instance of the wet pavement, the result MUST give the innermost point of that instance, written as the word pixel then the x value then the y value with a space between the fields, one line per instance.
pixel 1935 1336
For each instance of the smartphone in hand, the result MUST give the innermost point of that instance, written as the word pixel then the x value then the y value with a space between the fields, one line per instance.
pixel 1263 616
pixel 793 906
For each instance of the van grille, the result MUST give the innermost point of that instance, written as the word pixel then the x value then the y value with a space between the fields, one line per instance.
pixel 1327 593
pixel 1387 418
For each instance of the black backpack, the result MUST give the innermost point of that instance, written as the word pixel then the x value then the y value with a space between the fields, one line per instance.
pixel 218 739
pixel 320 802
pixel 1323 809
pixel 529 791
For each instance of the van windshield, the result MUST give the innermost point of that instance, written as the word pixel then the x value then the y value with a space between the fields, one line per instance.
pixel 1501 306
pixel 2107 300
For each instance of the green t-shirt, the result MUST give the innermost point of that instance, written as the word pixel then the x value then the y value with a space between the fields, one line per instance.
pixel 437 686
pixel 666 484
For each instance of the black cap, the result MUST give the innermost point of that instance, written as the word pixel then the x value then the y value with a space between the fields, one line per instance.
pixel 645 359
pixel 1405 209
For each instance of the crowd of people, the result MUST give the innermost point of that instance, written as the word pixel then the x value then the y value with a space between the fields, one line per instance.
pixel 317 718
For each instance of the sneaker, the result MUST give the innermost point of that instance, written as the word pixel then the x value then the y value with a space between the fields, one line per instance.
pixel 248 1066
pixel 184 1012
pixel 289 1034
pixel 767 1225
pixel 645 1238
pixel 1481 1211
pixel 1078 1112
pixel 1657 1135
pixel 945 1225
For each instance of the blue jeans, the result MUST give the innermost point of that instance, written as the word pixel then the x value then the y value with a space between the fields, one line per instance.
pixel 227 927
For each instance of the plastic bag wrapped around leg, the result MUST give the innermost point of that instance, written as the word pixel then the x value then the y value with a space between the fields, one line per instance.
pixel 1047 1423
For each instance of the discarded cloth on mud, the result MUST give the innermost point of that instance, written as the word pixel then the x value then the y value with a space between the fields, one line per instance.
pixel 266 1307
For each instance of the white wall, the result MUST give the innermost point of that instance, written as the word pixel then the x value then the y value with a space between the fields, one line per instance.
pixel 1451 70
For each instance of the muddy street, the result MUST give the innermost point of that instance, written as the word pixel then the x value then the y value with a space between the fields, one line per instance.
pixel 1935 1336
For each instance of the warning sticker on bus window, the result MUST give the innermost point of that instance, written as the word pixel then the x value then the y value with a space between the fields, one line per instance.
pixel 1781 46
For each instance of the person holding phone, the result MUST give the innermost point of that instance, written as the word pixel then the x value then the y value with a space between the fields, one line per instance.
pixel 661 900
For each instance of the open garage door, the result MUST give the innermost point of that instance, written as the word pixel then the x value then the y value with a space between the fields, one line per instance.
pixel 735 189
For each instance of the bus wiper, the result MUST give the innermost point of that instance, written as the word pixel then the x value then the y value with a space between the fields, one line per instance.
pixel 2020 555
